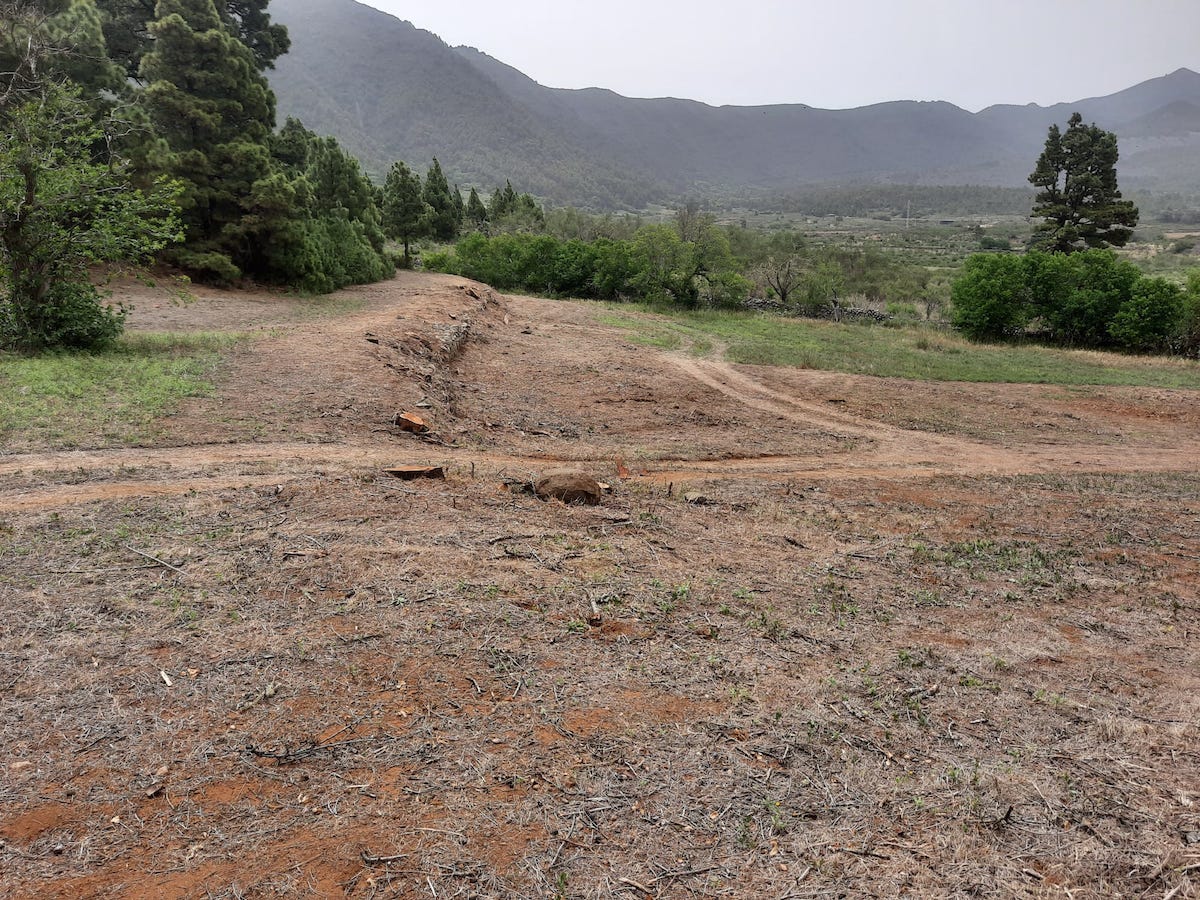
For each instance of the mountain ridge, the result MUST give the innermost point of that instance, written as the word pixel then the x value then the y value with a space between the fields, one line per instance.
pixel 390 90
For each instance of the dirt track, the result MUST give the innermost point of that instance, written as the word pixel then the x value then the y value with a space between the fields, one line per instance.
pixel 935 636
pixel 320 380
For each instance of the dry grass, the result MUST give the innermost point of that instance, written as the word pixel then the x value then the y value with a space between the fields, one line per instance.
pixel 332 683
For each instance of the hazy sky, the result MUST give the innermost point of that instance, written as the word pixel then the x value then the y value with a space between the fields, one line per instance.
pixel 829 53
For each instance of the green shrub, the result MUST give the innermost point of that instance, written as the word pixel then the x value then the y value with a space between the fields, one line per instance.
pixel 992 299
pixel 208 267
pixel 72 316
pixel 1187 334
pixel 438 261
pixel 1097 285
pixel 1150 317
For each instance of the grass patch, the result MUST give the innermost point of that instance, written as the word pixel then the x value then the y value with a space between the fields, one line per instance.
pixel 110 398
pixel 325 306
pixel 912 352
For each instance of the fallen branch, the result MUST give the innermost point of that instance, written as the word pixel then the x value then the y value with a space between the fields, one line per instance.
pixel 369 859
pixel 154 559
pixel 301 752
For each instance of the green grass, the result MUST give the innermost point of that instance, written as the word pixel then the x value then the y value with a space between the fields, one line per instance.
pixel 913 352
pixel 109 398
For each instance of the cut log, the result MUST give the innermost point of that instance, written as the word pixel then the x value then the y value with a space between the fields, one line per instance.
pixel 411 422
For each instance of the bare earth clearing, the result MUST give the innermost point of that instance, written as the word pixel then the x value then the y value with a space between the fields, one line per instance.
pixel 827 636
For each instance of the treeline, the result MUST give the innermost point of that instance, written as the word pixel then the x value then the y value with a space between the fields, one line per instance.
pixel 128 129
pixel 413 210
pixel 1089 299
pixel 690 262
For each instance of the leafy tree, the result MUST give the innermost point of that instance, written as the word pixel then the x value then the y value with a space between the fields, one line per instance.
pixel 62 210
pixel 665 265
pixel 714 276
pixel 1186 339
pixel 574 268
pixel 1076 297
pixel 615 269
pixel 1078 197
pixel 822 282
pixel 405 212
pixel 442 217
pixel 1090 299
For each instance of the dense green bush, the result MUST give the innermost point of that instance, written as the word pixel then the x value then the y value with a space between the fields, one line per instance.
pixel 72 316
pixel 1186 339
pixel 1089 299
pixel 657 265
pixel 992 298
pixel 1150 317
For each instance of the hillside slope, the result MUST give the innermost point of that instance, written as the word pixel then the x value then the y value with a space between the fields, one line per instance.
pixel 391 91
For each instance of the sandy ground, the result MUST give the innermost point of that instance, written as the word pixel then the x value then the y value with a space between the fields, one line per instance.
pixel 827 635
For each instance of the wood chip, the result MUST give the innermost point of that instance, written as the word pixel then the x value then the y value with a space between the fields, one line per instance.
pixel 411 422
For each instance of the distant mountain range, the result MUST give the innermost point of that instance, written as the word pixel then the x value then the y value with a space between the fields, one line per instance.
pixel 388 90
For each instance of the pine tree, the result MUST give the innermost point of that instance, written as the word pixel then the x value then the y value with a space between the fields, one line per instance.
pixel 48 40
pixel 210 104
pixel 314 222
pixel 1079 200
pixel 127 30
pixel 476 214
pixel 442 219
pixel 460 209
pixel 504 202
pixel 404 211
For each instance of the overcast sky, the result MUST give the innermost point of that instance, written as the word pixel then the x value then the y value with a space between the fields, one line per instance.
pixel 828 53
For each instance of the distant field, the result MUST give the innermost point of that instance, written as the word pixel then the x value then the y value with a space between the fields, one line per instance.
pixel 896 352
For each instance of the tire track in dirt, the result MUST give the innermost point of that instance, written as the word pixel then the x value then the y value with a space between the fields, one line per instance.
pixel 32 481
pixel 898 452
pixel 102 475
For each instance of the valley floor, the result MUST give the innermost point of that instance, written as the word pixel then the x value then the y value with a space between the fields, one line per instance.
pixel 827 636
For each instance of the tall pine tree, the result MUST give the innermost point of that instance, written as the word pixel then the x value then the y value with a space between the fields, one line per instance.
pixel 404 210
pixel 210 104
pixel 476 214
pixel 127 30
pixel 442 218
pixel 1079 202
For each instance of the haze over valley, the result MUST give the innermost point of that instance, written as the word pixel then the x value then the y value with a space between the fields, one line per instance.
pixel 390 90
